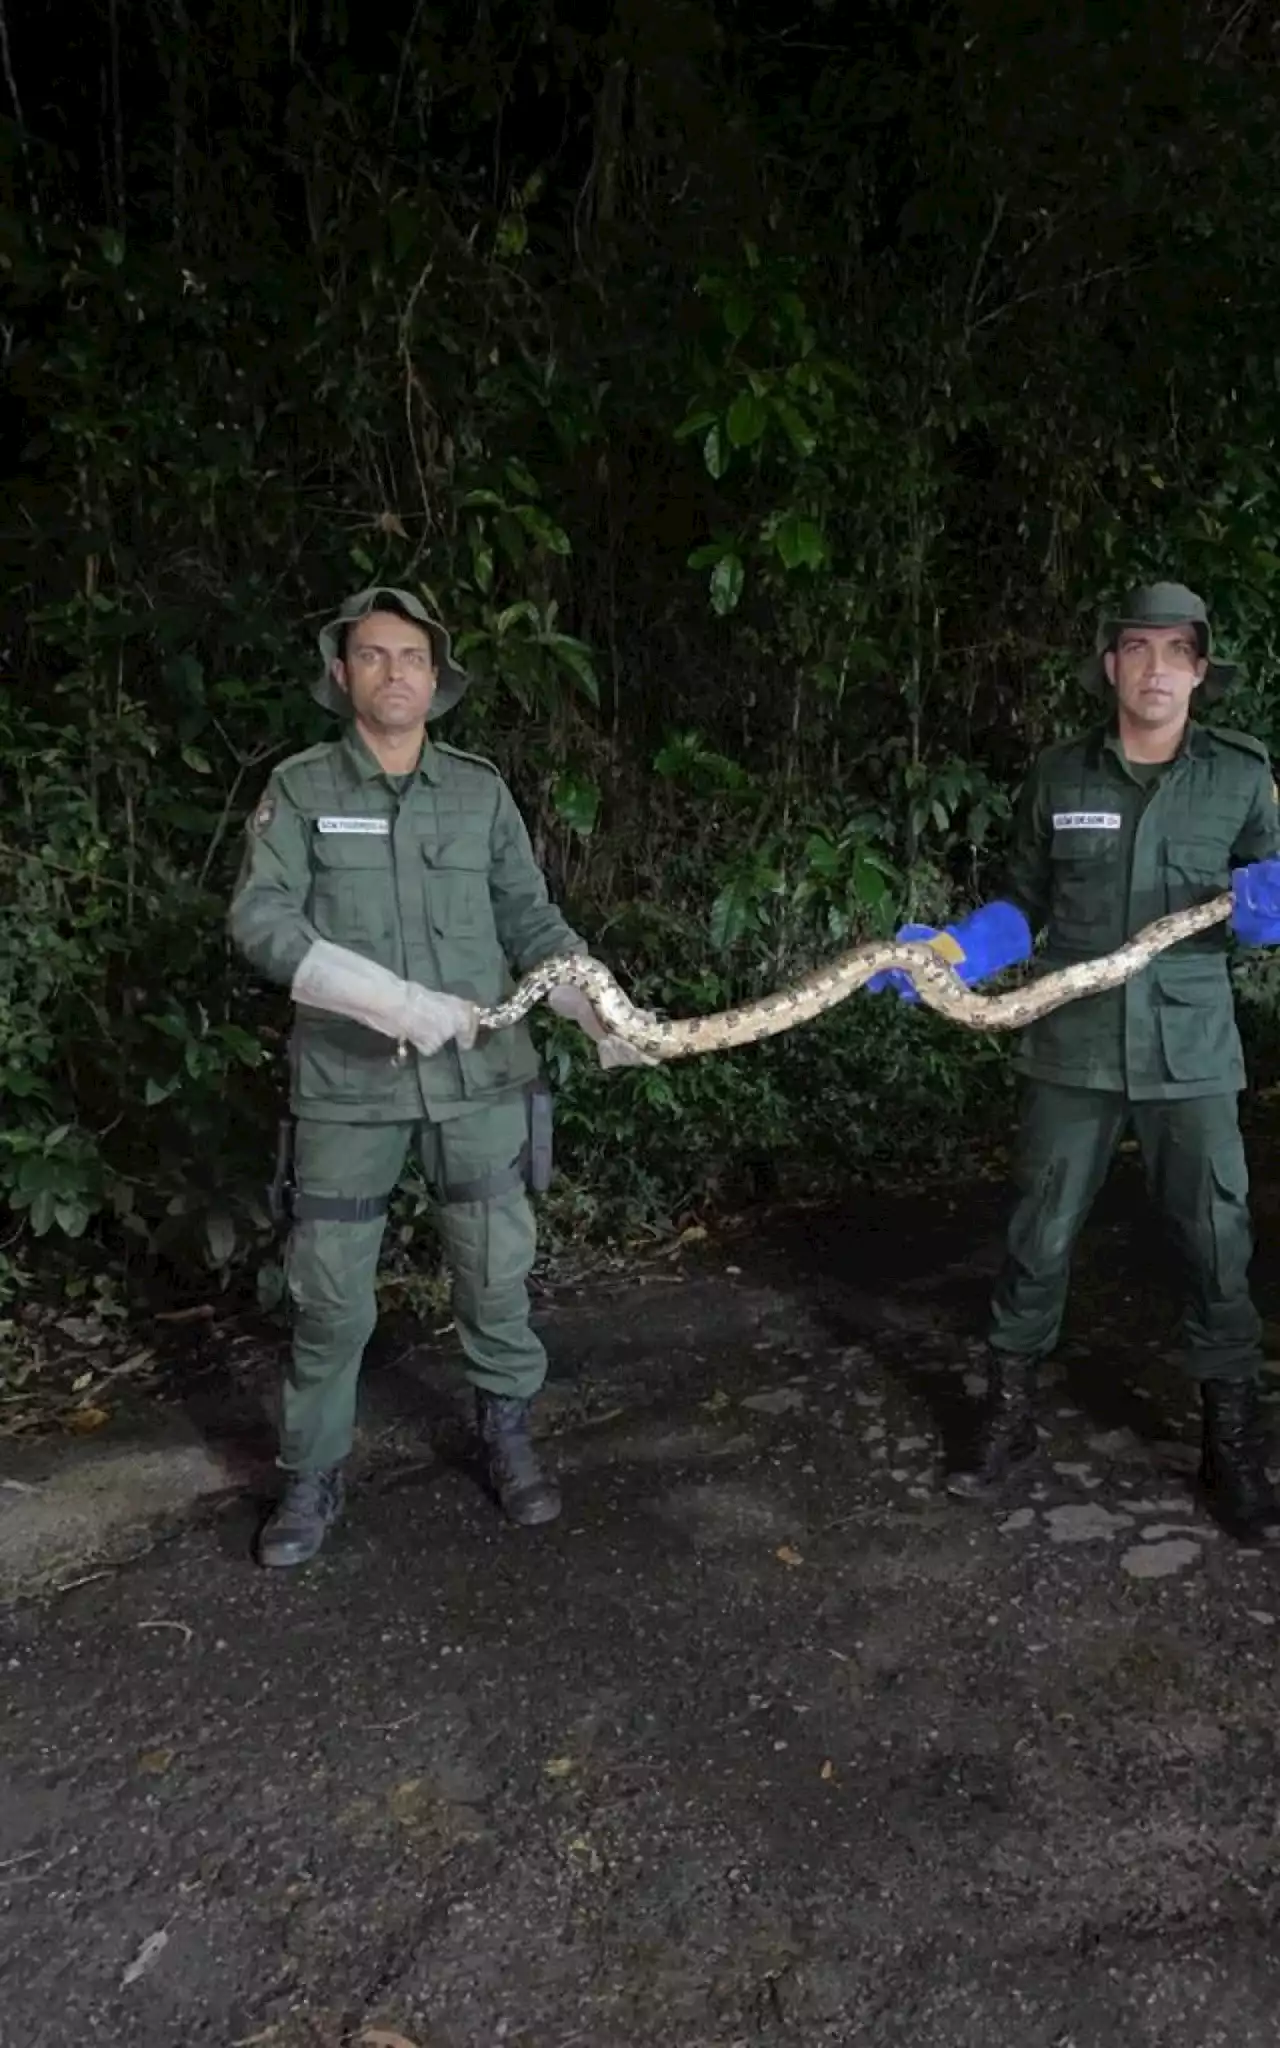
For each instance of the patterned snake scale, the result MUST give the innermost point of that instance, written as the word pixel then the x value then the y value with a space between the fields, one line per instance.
pixel 938 986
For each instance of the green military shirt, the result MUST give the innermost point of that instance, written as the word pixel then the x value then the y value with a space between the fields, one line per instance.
pixel 1100 850
pixel 432 875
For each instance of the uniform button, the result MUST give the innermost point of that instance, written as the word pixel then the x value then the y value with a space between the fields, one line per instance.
pixel 400 1057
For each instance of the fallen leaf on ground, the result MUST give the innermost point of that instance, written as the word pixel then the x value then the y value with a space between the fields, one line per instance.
pixel 146 1956
pixel 786 1555
pixel 411 1801
pixel 559 1767
pixel 385 2037
pixel 82 1329
pixel 134 1364
pixel 83 1421
pixel 828 1769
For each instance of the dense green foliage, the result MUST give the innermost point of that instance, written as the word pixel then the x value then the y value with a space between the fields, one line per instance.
pixel 769 396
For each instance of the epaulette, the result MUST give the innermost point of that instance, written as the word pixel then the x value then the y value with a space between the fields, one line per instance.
pixel 316 753
pixel 262 817
pixel 460 754
pixel 1244 741
pixel 1061 750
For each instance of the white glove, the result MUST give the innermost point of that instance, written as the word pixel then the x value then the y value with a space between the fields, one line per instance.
pixel 611 1051
pixel 332 978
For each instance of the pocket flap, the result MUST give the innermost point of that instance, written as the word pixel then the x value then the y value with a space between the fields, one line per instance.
pixel 1189 983
pixel 1083 848
pixel 347 850
pixel 1204 858
pixel 469 855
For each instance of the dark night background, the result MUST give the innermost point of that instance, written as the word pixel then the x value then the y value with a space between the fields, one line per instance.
pixel 769 394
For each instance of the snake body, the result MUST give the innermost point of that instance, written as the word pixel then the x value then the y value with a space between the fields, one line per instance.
pixel 937 984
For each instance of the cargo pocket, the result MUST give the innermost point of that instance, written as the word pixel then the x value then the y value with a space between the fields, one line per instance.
pixel 457 886
pixel 337 1061
pixel 1226 1307
pixel 352 891
pixel 1196 1021
pixel 1195 871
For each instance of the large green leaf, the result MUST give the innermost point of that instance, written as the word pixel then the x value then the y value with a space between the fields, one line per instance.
pixel 715 452
pixel 575 655
pixel 543 529
pixel 726 584
pixel 697 422
pixel 799 433
pixel 738 314
pixel 729 918
pixel 577 801
pixel 800 543
pixel 747 418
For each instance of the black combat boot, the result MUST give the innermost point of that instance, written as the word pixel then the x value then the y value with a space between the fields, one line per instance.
pixel 1233 1462
pixel 307 1509
pixel 525 1493
pixel 1007 1436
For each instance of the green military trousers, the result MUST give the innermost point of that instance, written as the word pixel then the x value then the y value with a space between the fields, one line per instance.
pixel 1196 1174
pixel 344 1176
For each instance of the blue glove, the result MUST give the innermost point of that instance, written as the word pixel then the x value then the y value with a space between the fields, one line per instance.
pixel 1256 891
pixel 994 937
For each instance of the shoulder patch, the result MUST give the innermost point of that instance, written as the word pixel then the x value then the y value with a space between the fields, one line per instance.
pixel 458 754
pixel 1243 742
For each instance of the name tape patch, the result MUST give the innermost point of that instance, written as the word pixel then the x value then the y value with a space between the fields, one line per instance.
pixel 1087 821
pixel 373 828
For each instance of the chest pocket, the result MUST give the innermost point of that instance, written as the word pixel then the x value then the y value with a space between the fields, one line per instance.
pixel 457 888
pixel 352 897
pixel 1195 870
pixel 1088 885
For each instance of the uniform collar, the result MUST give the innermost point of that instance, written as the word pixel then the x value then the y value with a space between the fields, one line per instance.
pixel 1197 743
pixel 367 768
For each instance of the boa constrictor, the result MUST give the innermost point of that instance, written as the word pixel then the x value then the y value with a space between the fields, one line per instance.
pixel 937 984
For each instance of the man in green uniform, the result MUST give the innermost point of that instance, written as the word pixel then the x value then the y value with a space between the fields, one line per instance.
pixel 388 881
pixel 1149 813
